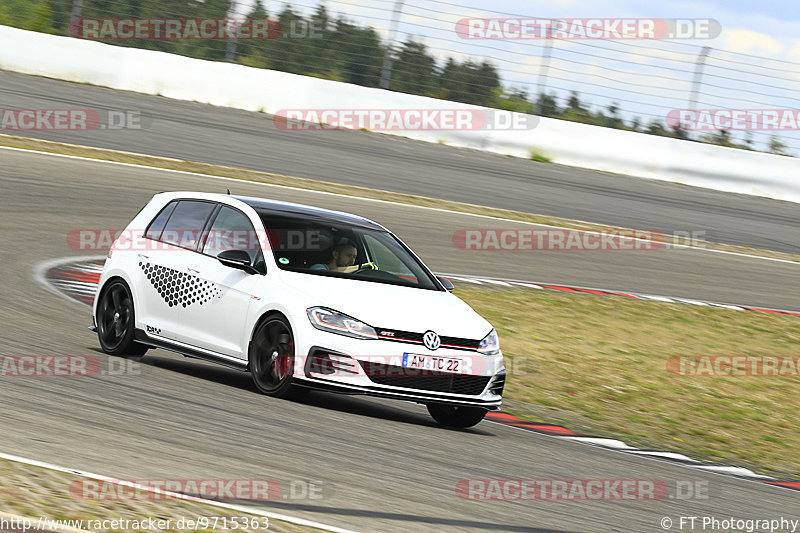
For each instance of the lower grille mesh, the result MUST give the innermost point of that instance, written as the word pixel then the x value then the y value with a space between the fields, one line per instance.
pixel 398 376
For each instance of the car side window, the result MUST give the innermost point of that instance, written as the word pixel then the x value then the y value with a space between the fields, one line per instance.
pixel 387 259
pixel 186 224
pixel 158 223
pixel 232 230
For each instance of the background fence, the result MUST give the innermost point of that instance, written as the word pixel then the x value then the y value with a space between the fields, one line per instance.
pixel 412 46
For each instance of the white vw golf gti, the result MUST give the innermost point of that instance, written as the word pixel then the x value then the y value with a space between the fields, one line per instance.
pixel 301 298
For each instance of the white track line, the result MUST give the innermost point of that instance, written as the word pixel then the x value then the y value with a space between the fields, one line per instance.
pixel 177 495
pixel 641 296
pixel 665 457
pixel 340 195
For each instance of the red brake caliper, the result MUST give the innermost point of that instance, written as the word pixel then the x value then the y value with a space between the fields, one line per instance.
pixel 283 362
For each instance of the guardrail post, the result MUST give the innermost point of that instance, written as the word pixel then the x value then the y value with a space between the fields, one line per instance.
pixel 698 76
pixel 386 71
pixel 77 9
pixel 541 84
pixel 230 46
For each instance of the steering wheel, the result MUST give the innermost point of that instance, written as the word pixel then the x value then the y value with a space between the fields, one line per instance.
pixel 366 267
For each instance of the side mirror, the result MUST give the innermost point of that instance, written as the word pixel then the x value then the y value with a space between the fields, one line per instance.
pixel 237 259
pixel 446 283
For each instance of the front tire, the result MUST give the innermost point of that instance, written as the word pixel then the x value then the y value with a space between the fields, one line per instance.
pixel 271 358
pixel 116 321
pixel 456 416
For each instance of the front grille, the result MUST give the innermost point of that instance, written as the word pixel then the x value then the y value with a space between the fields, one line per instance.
pixel 398 376
pixel 397 335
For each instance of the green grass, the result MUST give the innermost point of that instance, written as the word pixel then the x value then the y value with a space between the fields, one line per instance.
pixel 539 157
pixel 599 365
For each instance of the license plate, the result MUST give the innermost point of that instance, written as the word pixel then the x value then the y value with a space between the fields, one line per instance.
pixel 433 363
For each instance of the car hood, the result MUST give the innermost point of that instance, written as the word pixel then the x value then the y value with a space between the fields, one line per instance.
pixel 391 306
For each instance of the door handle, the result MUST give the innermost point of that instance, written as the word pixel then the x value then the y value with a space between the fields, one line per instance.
pixel 144 256
pixel 193 270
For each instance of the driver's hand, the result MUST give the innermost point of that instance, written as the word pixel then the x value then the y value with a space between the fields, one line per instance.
pixel 356 268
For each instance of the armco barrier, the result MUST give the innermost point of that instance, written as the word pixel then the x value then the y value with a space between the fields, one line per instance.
pixel 225 84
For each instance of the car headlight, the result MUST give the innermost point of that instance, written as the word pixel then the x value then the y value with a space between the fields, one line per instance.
pixel 335 322
pixel 490 345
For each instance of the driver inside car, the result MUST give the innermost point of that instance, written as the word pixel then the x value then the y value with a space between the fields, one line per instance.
pixel 343 259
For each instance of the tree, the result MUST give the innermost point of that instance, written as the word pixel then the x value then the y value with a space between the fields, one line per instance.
pixel 514 100
pixel 576 112
pixel 656 127
pixel 777 147
pixel 284 53
pixel 679 133
pixel 254 53
pixel 546 106
pixel 414 70
pixel 316 41
pixel 34 15
pixel 469 82
pixel 612 120
pixel 356 53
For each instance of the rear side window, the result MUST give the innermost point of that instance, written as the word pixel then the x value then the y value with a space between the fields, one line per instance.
pixel 158 223
pixel 187 222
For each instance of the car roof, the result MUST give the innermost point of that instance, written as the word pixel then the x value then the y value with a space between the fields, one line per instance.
pixel 262 206
pixel 307 212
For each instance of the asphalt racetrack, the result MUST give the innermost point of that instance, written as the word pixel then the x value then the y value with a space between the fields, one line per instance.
pixel 198 132
pixel 386 465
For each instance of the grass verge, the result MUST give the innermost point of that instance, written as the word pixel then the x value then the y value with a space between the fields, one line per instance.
pixel 361 192
pixel 599 366
pixel 33 492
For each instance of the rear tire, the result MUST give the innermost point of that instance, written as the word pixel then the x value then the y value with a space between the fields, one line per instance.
pixel 456 416
pixel 116 321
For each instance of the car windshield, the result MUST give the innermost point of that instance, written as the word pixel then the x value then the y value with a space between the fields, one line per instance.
pixel 337 249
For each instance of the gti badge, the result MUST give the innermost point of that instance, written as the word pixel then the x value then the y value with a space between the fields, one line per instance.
pixel 151 329
pixel 431 340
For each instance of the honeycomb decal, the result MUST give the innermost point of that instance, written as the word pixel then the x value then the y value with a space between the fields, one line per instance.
pixel 178 288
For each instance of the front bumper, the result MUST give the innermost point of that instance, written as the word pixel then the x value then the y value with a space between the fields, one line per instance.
pixel 351 366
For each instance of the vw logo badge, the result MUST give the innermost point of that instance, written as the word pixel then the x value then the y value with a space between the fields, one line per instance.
pixel 431 340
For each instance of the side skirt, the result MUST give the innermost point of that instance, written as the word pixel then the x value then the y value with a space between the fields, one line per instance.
pixel 189 351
